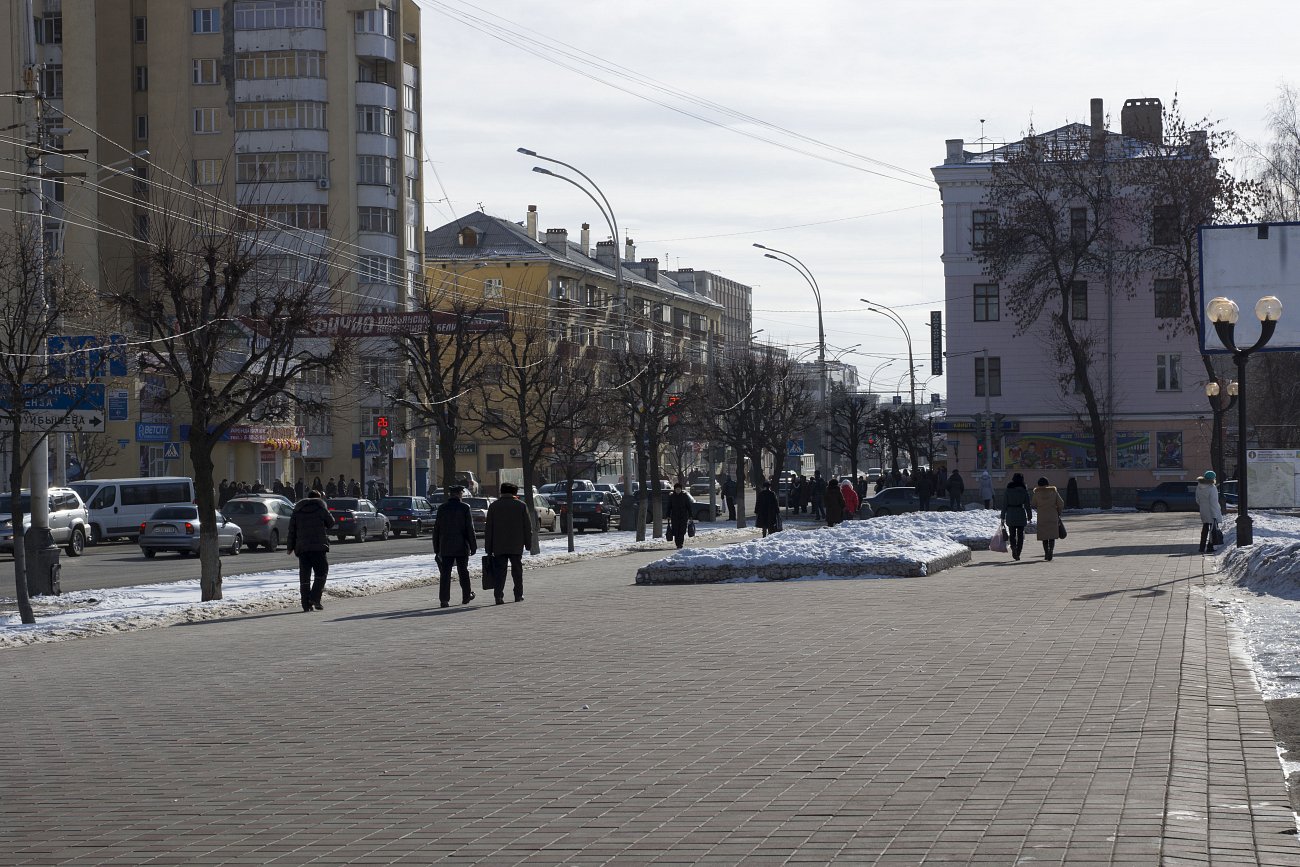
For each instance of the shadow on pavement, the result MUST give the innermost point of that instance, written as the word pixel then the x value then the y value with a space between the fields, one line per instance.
pixel 398 615
pixel 1151 590
pixel 295 610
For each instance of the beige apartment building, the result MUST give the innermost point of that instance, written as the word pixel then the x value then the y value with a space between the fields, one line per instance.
pixel 303 112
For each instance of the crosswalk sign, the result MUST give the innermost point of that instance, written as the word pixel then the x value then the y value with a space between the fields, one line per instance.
pixel 171 451
pixel 372 446
pixel 794 447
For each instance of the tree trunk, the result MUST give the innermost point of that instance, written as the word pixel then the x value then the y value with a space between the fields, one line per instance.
pixel 530 474
pixel 1095 420
pixel 25 611
pixel 447 447
pixel 740 489
pixel 643 496
pixel 206 499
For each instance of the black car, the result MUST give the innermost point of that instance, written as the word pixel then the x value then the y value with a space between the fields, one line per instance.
pixel 891 501
pixel 358 518
pixel 1168 497
pixel 592 510
pixel 411 515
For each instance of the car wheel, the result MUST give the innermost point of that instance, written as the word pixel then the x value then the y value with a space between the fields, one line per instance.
pixel 363 534
pixel 96 535
pixel 236 546
pixel 273 544
pixel 149 553
pixel 1159 506
pixel 77 543
pixel 383 534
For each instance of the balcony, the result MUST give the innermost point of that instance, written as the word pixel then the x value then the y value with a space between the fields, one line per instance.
pixel 268 140
pixel 376 46
pixel 282 90
pixel 279 40
pixel 375 93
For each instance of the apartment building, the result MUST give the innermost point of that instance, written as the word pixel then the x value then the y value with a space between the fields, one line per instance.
pixel 301 112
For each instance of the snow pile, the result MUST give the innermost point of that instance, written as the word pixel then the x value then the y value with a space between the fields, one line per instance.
pixel 1272 563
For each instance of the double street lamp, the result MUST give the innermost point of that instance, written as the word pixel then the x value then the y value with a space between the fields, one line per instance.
pixel 1223 313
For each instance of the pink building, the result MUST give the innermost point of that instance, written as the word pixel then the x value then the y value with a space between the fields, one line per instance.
pixel 1151 379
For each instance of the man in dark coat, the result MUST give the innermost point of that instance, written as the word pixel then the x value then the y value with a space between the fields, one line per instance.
pixel 453 543
pixel 767 510
pixel 331 490
pixel 729 497
pixel 509 531
pixel 834 503
pixel 818 493
pixel 679 514
pixel 956 487
pixel 309 528
pixel 924 488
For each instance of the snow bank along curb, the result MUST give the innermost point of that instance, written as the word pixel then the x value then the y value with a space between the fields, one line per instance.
pixel 909 545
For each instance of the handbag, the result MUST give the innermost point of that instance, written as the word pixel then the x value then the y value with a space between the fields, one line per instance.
pixel 690 528
pixel 1216 535
pixel 1060 529
pixel 999 541
pixel 491 565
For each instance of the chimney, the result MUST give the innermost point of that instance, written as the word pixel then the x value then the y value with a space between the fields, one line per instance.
pixel 956 152
pixel 651 269
pixel 586 239
pixel 557 241
pixel 530 224
pixel 1200 141
pixel 605 254
pixel 629 251
pixel 1097 147
pixel 1143 119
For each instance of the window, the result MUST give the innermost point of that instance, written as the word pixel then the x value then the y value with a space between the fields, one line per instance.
pixel 1078 224
pixel 410 98
pixel 280 115
pixel 207 20
pixel 141 127
pixel 1169 298
pixel 261 65
pixel 49 29
pixel 374 71
pixel 412 145
pixel 280 166
pixel 377 269
pixel 1079 299
pixel 257 217
pixel 141 79
pixel 981 228
pixel 986 302
pixel 379 21
pixel 205 121
pixel 278 14
pixel 493 287
pixel 376 170
pixel 207 172
pixel 52 81
pixel 382 220
pixel 141 28
pixel 376 119
pixel 1164 225
pixel 1169 372
pixel 205 70
pixel 988 377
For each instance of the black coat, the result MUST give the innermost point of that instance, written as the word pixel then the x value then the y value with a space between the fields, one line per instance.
pixel 679 512
pixel 309 526
pixel 509 528
pixel 453 530
pixel 767 510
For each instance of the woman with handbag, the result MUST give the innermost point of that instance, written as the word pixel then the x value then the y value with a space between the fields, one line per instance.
pixel 1047 502
pixel 1015 513
pixel 1207 502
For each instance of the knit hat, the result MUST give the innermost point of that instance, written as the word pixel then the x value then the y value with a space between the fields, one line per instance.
pixel 1209 474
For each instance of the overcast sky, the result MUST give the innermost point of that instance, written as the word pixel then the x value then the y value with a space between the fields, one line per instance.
pixel 858 80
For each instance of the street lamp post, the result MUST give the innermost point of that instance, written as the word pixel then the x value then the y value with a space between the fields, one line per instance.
pixel 876 307
pixel 823 420
pixel 607 211
pixel 1223 312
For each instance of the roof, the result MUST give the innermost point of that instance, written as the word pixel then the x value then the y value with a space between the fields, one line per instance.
pixel 1061 139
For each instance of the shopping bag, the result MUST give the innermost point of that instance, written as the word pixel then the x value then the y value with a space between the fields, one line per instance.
pixel 1060 529
pixel 999 541
pixel 1216 536
pixel 690 528
pixel 490 566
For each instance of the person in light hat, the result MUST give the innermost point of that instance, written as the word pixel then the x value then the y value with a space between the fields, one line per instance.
pixel 1207 502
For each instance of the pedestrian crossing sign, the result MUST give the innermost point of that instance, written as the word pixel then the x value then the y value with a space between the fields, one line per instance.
pixel 794 447
pixel 171 451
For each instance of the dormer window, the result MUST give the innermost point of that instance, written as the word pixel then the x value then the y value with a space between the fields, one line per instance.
pixel 467 238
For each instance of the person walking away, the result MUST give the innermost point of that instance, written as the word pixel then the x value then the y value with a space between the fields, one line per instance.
pixel 940 485
pixel 1015 513
pixel 309 527
pixel 833 501
pixel 679 514
pixel 956 487
pixel 818 495
pixel 1207 502
pixel 986 489
pixel 767 510
pixel 508 533
pixel 1047 502
pixel 453 543
pixel 729 497
pixel 924 488
pixel 330 490
pixel 850 498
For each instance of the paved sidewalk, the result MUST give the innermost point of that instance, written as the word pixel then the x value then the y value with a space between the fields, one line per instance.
pixel 1083 711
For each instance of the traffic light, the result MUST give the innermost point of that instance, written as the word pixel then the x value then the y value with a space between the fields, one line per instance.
pixel 673 400
pixel 381 427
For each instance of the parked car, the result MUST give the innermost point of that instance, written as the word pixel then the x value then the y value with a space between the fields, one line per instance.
pixel 69 519
pixel 118 506
pixel 891 501
pixel 468 481
pixel 552 488
pixel 592 510
pixel 874 474
pixel 1168 497
pixel 264 519
pixel 358 518
pixel 478 507
pixel 176 528
pixel 1229 489
pixel 700 488
pixel 699 509
pixel 609 488
pixel 547 516
pixel 410 515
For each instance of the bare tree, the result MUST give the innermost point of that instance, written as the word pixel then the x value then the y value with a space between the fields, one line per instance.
pixel 227 302
pixel 588 424
pixel 851 418
pixel 94 451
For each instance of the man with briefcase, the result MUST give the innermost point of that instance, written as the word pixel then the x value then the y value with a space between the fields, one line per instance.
pixel 509 531
pixel 453 543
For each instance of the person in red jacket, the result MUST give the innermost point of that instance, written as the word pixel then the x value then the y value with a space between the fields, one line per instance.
pixel 850 500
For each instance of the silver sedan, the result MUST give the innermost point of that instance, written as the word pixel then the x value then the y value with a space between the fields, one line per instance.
pixel 176 528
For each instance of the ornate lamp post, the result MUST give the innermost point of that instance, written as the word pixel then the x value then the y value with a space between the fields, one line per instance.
pixel 1224 312
pixel 1227 399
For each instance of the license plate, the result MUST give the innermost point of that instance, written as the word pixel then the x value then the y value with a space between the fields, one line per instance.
pixel 164 530
pixel 579 520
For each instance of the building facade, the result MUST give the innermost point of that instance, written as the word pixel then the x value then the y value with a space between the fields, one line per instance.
pixel 304 113
pixel 1006 381
pixel 737 302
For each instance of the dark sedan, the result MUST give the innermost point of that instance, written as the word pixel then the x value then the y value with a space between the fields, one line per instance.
pixel 411 515
pixel 1168 497
pixel 357 518
pixel 890 501
pixel 700 510
pixel 478 507
pixel 592 510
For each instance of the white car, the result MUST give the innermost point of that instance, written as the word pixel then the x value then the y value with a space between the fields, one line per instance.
pixel 69 519
pixel 546 516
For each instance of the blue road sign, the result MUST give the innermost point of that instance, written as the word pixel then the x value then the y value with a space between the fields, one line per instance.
pixel 119 404
pixel 171 451
pixel 794 447
pixel 372 446
pixel 153 432
pixel 88 356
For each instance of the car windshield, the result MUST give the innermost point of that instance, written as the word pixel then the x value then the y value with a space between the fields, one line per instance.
pixel 395 503
pixel 349 503
pixel 7 503
pixel 176 513
pixel 588 497
pixel 477 502
pixel 244 507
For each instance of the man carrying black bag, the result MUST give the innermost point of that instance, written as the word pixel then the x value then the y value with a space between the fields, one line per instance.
pixel 453 543
pixel 509 531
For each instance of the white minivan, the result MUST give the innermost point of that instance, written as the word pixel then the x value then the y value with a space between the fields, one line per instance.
pixel 119 506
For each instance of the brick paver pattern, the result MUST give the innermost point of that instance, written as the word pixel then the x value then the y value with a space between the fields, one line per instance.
pixel 1083 711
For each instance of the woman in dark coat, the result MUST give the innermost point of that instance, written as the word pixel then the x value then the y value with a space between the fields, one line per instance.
pixel 1015 513
pixel 834 501
pixel 679 514
pixel 767 510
